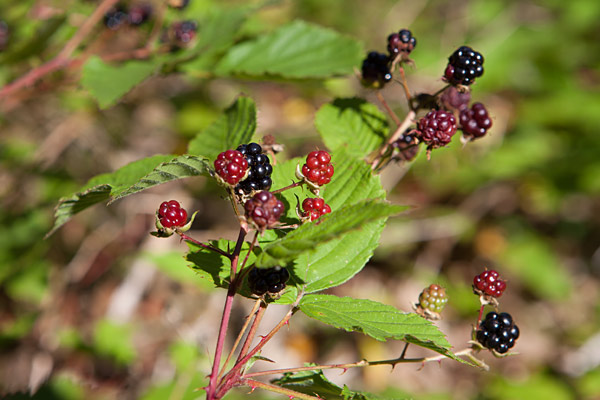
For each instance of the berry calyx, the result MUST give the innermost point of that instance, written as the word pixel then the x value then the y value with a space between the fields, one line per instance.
pixel 314 208
pixel 433 298
pixel 170 214
pixel 318 168
pixel 260 169
pixel 475 121
pixel 464 65
pixel 401 42
pixel 267 280
pixel 231 166
pixel 376 70
pixel 264 210
pixel 497 332
pixel 437 128
pixel 489 283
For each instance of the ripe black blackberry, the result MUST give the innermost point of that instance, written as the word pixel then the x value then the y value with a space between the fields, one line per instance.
pixel 464 65
pixel 376 70
pixel 259 176
pixel 267 280
pixel 475 121
pixel 497 332
pixel 401 42
pixel 115 17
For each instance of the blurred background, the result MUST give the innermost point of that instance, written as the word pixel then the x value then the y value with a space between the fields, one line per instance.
pixel 102 310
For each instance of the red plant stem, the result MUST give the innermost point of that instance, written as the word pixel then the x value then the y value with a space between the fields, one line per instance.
pixel 480 315
pixel 404 83
pixel 233 376
pixel 204 246
pixel 240 335
pixel 225 319
pixel 252 332
pixel 63 57
pixel 293 185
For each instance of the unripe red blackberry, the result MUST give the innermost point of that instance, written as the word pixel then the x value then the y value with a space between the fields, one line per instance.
pixel 314 208
pixel 489 283
pixel 267 280
pixel 464 65
pixel 497 332
pixel 406 147
pixel 475 121
pixel 139 13
pixel 264 210
pixel 433 298
pixel 436 128
pixel 259 175
pixel 376 70
pixel 401 42
pixel 231 166
pixel 452 99
pixel 170 214
pixel 318 168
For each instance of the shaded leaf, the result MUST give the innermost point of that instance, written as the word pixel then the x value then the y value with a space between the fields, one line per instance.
pixel 296 50
pixel 354 123
pixel 234 127
pixel 108 83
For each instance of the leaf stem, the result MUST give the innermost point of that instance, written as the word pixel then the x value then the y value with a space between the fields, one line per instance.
pixel 278 389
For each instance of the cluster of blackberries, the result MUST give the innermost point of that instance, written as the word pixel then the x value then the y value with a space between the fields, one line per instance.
pixel 464 65
pixel 259 175
pixel 376 70
pixel 135 15
pixel 497 332
pixel 267 280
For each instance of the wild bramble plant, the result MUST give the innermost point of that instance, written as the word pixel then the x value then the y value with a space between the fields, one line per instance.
pixel 305 224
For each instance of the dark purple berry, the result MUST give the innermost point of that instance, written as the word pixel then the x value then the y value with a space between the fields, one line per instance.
pixel 139 13
pixel 401 42
pixel 376 70
pixel 407 146
pixel 264 210
pixel 452 99
pixel 267 280
pixel 436 128
pixel 475 121
pixel 464 65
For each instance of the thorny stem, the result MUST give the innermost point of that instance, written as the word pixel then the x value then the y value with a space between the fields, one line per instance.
pixel 240 335
pixel 408 121
pixel 63 57
pixel 229 380
pixel 363 363
pixel 387 108
pixel 204 246
pixel 226 315
pixel 278 389
pixel 293 185
pixel 404 350
pixel 252 332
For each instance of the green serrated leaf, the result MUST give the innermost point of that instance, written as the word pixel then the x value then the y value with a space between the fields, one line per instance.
pixel 380 321
pixel 130 179
pixel 334 262
pixel 308 236
pixel 234 127
pixel 315 383
pixel 354 123
pixel 297 50
pixel 108 83
pixel 180 167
